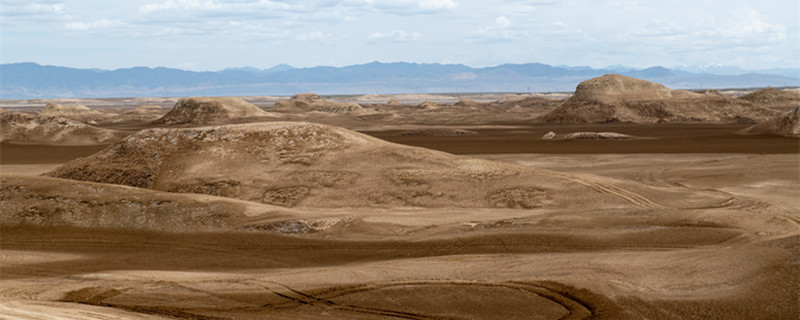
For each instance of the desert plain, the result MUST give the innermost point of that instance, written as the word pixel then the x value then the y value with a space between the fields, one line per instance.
pixel 622 200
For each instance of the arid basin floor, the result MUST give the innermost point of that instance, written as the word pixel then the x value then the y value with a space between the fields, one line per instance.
pixel 731 255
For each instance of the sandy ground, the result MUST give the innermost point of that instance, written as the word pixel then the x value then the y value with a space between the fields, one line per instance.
pixel 734 261
pixel 706 229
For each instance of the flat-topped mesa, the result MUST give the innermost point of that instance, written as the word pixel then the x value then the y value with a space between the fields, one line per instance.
pixel 295 164
pixel 613 98
pixel 210 110
pixel 308 102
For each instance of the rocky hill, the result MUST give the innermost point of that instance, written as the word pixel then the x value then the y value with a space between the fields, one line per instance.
pixel 774 98
pixel 210 110
pixel 41 129
pixel 302 164
pixel 613 98
pixel 786 124
pixel 308 102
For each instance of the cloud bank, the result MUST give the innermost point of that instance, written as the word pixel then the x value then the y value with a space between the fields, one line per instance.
pixel 262 33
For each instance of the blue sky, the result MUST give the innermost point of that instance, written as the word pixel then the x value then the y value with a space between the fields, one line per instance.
pixel 216 34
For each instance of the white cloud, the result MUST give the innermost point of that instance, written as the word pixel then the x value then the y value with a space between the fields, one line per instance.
pixel 501 31
pixel 314 36
pixel 597 33
pixel 658 28
pixel 536 2
pixel 502 22
pixel 562 30
pixel 211 7
pixel 435 5
pixel 178 4
pixel 742 27
pixel 250 32
pixel 41 13
pixel 99 24
pixel 31 8
pixel 407 7
pixel 748 24
pixel 239 20
pixel 393 36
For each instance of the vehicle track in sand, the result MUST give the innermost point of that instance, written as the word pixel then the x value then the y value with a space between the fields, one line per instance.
pixel 626 195
pixel 555 300
pixel 574 309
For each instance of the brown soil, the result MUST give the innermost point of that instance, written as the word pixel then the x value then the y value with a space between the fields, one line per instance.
pixel 774 98
pixel 438 132
pixel 209 111
pixel 307 102
pixel 75 112
pixel 695 221
pixel 38 129
pixel 68 110
pixel 613 98
pixel 662 138
pixel 142 113
pixel 301 164
pixel 787 124
pixel 36 153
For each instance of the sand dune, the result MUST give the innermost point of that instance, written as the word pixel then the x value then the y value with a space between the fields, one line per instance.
pixel 461 105
pixel 712 92
pixel 75 112
pixel 787 124
pixel 294 220
pixel 308 102
pixel 210 111
pixel 302 164
pixel 429 106
pixel 773 96
pixel 613 98
pixel 145 112
pixel 38 129
pixel 52 109
pixel 56 202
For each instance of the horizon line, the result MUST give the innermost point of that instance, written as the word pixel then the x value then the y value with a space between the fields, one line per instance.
pixel 609 68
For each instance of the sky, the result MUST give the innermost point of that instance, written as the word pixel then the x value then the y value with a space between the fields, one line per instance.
pixel 207 35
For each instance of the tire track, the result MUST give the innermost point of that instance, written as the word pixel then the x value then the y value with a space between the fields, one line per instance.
pixel 628 196
pixel 576 310
pixel 307 299
pixel 790 219
pixel 577 305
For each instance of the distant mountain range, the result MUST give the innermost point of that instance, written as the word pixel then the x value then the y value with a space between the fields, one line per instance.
pixel 31 80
